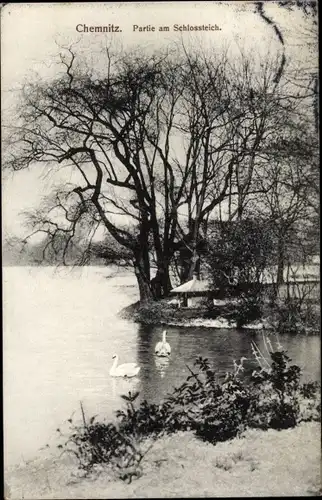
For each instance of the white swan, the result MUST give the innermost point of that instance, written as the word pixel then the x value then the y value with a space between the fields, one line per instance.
pixel 163 348
pixel 125 370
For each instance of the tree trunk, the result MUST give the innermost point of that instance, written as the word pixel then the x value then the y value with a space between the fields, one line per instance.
pixel 194 268
pixel 240 203
pixel 288 280
pixel 142 273
pixel 143 283
pixel 156 286
pixel 280 261
pixel 161 283
pixel 166 281
pixel 184 275
pixel 240 208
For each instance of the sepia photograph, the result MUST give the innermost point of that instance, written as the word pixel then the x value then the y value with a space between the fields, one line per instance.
pixel 161 249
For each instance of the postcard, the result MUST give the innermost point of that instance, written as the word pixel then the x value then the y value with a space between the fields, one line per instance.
pixel 161 266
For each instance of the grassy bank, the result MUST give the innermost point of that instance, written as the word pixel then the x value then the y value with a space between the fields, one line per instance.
pixel 208 437
pixel 163 312
pixel 258 463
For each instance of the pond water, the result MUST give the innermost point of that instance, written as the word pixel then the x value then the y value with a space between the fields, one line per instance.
pixel 60 331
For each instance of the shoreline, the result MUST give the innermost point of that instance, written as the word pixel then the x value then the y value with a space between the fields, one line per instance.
pixel 159 313
pixel 258 463
pixel 217 323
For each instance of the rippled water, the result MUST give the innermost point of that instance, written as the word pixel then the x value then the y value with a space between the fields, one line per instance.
pixel 60 332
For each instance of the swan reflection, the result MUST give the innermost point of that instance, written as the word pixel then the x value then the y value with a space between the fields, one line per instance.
pixel 161 365
pixel 122 386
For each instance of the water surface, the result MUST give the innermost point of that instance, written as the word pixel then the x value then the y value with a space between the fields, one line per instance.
pixel 60 332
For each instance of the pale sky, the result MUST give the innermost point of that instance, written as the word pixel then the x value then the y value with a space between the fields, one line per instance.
pixel 30 33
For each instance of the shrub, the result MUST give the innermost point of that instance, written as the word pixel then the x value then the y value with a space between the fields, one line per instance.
pixel 154 312
pixel 146 420
pixel 237 256
pixel 249 308
pixel 276 399
pixel 223 416
pixel 97 444
pixel 295 315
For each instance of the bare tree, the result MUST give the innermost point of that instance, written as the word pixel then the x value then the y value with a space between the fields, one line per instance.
pixel 154 145
pixel 93 125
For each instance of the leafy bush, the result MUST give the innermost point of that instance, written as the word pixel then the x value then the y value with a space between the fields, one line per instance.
pixel 248 308
pixel 97 444
pixel 223 416
pixel 237 256
pixel 289 319
pixel 146 420
pixel 309 390
pixel 276 401
pixel 154 312
pixel 295 315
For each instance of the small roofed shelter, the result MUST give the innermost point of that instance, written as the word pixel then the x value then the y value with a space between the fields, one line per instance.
pixel 193 292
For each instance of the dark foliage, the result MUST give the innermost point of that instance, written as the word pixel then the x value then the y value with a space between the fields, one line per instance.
pixel 276 401
pixel 238 254
pixel 295 315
